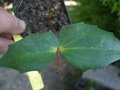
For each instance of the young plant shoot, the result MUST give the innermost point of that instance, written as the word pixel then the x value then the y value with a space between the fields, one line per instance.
pixel 81 45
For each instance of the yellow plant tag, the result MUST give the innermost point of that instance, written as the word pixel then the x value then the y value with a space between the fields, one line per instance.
pixel 35 80
pixel 17 37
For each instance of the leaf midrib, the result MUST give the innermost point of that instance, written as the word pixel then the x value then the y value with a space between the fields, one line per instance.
pixel 86 48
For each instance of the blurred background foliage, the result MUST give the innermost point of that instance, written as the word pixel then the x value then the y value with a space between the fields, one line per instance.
pixel 114 5
pixel 103 13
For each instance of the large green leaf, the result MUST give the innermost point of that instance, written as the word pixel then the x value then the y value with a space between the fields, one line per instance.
pixel 32 53
pixel 83 46
pixel 86 46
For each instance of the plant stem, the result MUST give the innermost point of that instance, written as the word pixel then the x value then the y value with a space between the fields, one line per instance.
pixel 55 32
pixel 49 19
pixel 58 60
pixel 50 6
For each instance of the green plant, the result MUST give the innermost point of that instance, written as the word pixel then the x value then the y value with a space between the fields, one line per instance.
pixel 83 46
pixel 95 13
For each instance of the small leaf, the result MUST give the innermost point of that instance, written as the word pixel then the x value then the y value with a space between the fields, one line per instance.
pixel 31 53
pixel 86 46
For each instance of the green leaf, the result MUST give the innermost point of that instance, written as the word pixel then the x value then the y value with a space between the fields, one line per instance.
pixel 32 53
pixel 83 46
pixel 86 46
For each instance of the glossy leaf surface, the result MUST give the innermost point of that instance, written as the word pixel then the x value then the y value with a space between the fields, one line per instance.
pixel 86 46
pixel 32 53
